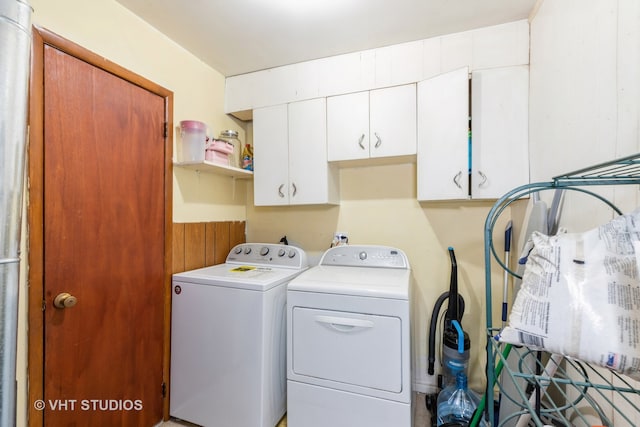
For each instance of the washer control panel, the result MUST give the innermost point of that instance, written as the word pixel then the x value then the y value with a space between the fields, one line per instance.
pixel 268 254
pixel 365 256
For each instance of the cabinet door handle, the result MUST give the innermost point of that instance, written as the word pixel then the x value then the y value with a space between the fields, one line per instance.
pixel 360 141
pixel 280 193
pixel 456 180
pixel 379 141
pixel 295 189
pixel 484 179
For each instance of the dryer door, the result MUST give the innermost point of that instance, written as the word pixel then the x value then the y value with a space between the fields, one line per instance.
pixel 348 348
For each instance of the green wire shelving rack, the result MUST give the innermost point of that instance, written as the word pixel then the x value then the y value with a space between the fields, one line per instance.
pixel 559 399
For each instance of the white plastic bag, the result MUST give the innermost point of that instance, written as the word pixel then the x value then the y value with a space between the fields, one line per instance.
pixel 580 296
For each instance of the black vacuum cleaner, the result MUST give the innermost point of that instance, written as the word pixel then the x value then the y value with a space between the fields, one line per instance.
pixel 455 342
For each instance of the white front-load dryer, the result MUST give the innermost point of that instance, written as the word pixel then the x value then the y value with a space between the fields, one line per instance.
pixel 348 340
pixel 228 338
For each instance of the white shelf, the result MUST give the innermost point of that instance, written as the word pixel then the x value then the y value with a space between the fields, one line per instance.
pixel 209 167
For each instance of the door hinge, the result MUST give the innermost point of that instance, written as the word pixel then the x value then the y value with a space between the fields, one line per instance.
pixel 166 129
pixel 44 304
pixel 164 389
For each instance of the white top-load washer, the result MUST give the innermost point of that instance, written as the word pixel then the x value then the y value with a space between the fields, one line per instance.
pixel 348 340
pixel 228 337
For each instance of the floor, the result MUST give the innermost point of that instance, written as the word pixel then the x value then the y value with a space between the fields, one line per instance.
pixel 420 417
pixel 179 423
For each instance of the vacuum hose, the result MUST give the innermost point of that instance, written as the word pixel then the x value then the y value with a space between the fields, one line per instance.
pixel 432 331
pixel 434 324
pixel 454 311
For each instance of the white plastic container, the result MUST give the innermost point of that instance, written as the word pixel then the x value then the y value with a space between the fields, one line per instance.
pixel 193 138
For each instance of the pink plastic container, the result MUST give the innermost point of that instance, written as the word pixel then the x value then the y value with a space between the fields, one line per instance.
pixel 221 146
pixel 218 152
pixel 217 157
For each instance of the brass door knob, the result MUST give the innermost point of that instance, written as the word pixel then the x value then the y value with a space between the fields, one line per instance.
pixel 64 300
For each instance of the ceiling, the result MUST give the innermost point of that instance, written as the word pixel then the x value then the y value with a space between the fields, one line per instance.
pixel 240 36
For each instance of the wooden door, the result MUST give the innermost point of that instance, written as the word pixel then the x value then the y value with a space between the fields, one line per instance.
pixel 104 241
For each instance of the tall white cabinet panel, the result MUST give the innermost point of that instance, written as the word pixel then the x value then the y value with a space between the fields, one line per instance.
pixel 290 155
pixel 500 149
pixel 271 156
pixel 443 152
pixel 497 159
pixel 312 180
pixel 377 123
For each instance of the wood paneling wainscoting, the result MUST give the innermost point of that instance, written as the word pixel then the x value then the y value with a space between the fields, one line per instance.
pixel 201 244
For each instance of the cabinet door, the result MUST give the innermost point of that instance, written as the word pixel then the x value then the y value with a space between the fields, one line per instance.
pixel 309 172
pixel 443 122
pixel 271 156
pixel 348 126
pixel 392 127
pixel 500 114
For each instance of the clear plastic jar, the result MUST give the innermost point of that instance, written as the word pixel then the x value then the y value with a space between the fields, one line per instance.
pixel 231 136
pixel 193 138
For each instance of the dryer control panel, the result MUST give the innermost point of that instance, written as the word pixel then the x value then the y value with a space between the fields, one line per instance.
pixel 268 254
pixel 365 256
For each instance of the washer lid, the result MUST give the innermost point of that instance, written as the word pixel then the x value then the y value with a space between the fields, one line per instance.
pixel 359 281
pixel 239 276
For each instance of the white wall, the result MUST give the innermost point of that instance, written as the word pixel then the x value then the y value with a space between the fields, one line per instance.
pixel 585 103
pixel 584 92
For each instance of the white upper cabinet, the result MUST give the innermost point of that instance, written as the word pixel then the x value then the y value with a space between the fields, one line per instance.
pixel 311 178
pixel 452 166
pixel 443 147
pixel 348 126
pixel 290 155
pixel 271 156
pixel 371 124
pixel 392 126
pixel 500 130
